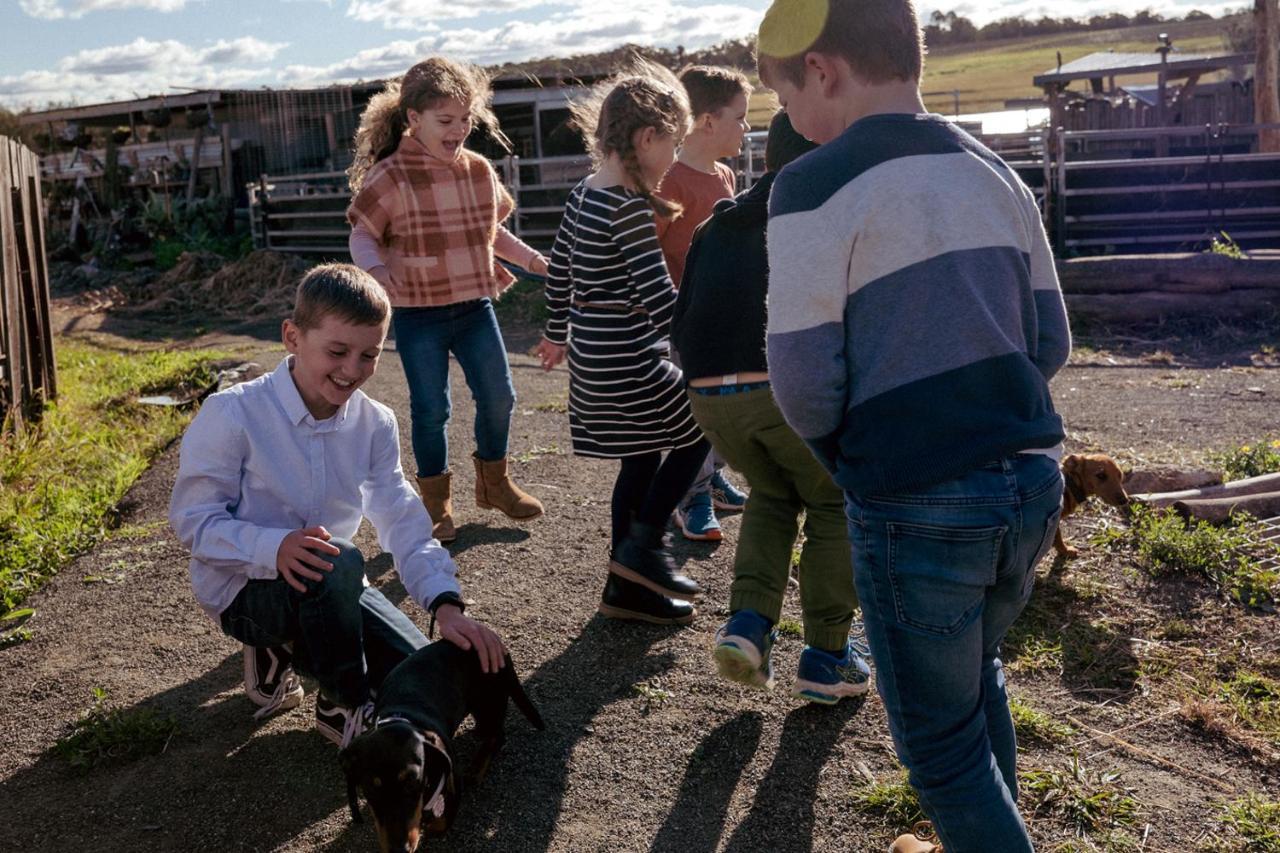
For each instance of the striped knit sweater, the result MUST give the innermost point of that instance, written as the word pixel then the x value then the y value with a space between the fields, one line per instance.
pixel 915 316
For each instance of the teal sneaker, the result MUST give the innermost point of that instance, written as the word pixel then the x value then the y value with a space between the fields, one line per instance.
pixel 826 679
pixel 742 649
pixel 725 495
pixel 698 522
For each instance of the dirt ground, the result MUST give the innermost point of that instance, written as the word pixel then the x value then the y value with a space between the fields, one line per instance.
pixel 646 750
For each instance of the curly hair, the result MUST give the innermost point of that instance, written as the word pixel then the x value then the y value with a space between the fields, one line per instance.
pixel 609 115
pixel 386 118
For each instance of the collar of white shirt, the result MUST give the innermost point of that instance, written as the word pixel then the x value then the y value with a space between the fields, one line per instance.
pixel 295 408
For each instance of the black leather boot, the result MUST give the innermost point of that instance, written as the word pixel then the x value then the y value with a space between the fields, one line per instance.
pixel 642 558
pixel 623 599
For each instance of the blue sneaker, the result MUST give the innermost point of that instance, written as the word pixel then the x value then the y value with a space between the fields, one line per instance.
pixel 826 679
pixel 725 495
pixel 697 521
pixel 742 648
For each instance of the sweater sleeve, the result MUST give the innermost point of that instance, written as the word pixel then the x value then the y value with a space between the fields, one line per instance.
pixel 559 287
pixel 373 207
pixel 1053 334
pixel 511 248
pixel 363 246
pixel 680 335
pixel 808 287
pixel 633 231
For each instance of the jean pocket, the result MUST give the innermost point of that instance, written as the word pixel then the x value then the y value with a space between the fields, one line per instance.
pixel 940 575
pixel 1046 541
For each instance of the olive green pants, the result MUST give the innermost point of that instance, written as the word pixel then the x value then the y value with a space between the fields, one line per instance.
pixel 748 430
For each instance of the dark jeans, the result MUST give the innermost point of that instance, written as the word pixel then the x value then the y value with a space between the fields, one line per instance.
pixel 424 339
pixel 941 574
pixel 649 487
pixel 344 634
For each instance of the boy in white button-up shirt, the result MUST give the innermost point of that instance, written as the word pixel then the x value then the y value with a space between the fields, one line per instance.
pixel 274 478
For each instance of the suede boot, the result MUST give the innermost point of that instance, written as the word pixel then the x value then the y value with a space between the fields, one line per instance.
pixel 437 497
pixel 496 490
pixel 623 599
pixel 921 839
pixel 642 558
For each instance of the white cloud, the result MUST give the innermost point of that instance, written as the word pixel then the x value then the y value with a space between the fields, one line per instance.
pixel 52 10
pixel 591 25
pixel 414 14
pixel 142 67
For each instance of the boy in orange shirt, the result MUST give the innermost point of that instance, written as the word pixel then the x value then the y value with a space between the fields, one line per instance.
pixel 695 182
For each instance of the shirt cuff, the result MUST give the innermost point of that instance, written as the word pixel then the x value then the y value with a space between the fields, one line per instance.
pixel 265 552
pixel 446 598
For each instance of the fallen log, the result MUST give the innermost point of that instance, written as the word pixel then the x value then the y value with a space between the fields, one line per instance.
pixel 1236 488
pixel 1154 304
pixel 1185 272
pixel 1153 480
pixel 1220 510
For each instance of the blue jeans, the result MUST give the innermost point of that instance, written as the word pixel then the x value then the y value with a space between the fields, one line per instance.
pixel 941 575
pixel 344 634
pixel 424 339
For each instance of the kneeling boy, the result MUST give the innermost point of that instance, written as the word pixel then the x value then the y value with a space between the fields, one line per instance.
pixel 274 478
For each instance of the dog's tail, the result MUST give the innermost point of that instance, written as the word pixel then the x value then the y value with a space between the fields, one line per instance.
pixel 516 689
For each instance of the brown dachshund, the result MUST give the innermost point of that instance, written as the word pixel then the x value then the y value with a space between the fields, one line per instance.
pixel 1086 474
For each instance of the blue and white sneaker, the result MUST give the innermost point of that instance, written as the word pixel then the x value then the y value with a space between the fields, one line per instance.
pixel 698 522
pixel 742 649
pixel 824 678
pixel 725 495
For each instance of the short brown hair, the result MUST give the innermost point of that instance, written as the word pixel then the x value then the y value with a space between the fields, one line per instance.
pixel 711 88
pixel 880 39
pixel 342 290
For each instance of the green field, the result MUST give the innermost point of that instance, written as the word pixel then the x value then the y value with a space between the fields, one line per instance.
pixel 987 74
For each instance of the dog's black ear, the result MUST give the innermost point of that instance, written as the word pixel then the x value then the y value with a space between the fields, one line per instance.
pixel 349 758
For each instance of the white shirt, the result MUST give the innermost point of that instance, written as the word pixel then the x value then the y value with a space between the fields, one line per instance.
pixel 255 466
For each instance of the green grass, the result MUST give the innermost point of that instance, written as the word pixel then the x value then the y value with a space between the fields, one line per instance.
pixel 108 736
pixel 791 627
pixel 1163 544
pixel 1090 801
pixel 1249 460
pixel 1255 699
pixel 895 801
pixel 1037 726
pixel 523 304
pixel 1255 821
pixel 60 483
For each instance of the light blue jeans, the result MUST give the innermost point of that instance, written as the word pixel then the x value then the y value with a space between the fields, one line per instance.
pixel 941 574
pixel 424 339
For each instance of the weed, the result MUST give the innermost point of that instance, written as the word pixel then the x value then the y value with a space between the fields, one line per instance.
pixel 1249 460
pixel 651 696
pixel 791 627
pixel 1223 245
pixel 1091 801
pixel 1255 699
pixel 1033 725
pixel 114 735
pixel 896 801
pixel 60 482
pixel 1164 544
pixel 1256 821
pixel 534 452
pixel 1037 654
pixel 559 407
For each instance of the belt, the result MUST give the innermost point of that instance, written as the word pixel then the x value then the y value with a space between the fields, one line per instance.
pixel 736 388
pixel 611 307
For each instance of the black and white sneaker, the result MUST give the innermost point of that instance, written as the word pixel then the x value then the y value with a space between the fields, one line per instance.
pixel 340 723
pixel 270 681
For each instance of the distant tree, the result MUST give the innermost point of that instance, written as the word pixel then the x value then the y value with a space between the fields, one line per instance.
pixel 1197 15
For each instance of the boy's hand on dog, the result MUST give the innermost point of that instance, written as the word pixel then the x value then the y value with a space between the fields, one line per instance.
pixel 298 552
pixel 551 354
pixel 466 633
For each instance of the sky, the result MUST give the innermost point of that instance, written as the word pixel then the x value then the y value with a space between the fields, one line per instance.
pixel 88 51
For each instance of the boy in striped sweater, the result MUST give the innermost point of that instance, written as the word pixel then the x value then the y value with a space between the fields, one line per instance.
pixel 915 320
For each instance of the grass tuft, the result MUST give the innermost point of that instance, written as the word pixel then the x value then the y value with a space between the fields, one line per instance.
pixel 1163 544
pixel 1255 821
pixel 1033 725
pixel 60 482
pixel 108 736
pixel 1249 460
pixel 791 627
pixel 895 801
pixel 1090 801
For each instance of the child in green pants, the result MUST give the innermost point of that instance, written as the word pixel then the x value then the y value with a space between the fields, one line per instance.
pixel 732 402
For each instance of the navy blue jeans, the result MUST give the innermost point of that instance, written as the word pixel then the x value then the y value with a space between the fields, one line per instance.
pixel 941 575
pixel 424 339
pixel 344 634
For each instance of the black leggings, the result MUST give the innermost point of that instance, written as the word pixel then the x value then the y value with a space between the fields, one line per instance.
pixel 649 487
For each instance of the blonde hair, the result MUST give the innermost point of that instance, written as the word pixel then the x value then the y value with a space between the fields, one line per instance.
pixel 880 39
pixel 386 119
pixel 642 95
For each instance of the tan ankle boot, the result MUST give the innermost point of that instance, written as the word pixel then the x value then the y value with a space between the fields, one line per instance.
pixel 920 840
pixel 496 490
pixel 437 497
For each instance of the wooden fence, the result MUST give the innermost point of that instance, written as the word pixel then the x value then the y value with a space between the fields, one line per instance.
pixel 27 376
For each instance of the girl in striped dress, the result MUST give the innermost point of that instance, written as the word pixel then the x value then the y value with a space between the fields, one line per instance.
pixel 610 301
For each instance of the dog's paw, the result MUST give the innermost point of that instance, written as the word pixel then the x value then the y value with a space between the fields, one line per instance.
pixel 1069 553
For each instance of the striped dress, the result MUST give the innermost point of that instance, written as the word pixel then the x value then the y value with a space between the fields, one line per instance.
pixel 610 298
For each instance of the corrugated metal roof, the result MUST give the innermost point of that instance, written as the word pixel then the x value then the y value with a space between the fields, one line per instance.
pixel 1106 62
